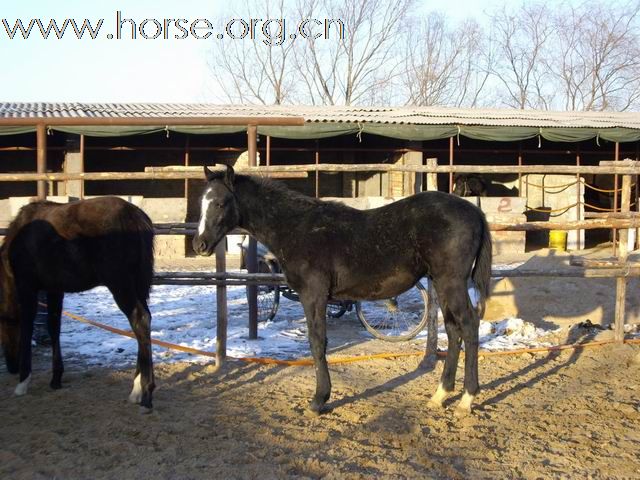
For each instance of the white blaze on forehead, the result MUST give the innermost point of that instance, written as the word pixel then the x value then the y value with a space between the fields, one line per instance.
pixel 204 207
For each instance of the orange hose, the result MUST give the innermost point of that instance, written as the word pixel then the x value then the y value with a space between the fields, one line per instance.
pixel 340 360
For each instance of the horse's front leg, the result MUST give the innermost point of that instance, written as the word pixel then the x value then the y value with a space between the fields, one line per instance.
pixel 54 312
pixel 315 309
pixel 27 299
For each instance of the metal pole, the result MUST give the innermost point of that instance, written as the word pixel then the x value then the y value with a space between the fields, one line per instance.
pixel 221 307
pixel 41 158
pixel 252 254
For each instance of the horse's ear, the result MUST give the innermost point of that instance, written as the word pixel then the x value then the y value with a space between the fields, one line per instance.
pixel 229 176
pixel 208 173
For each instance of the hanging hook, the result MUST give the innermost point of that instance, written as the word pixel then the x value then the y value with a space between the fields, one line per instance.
pixel 360 130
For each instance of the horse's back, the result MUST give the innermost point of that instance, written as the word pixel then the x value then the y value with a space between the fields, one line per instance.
pixel 76 246
pixel 381 252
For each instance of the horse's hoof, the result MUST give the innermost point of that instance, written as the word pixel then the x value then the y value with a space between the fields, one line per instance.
pixel 464 406
pixel 146 410
pixel 55 385
pixel 435 405
pixel 23 387
pixel 316 408
pixel 462 411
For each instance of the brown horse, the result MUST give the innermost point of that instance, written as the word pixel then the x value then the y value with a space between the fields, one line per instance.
pixel 60 248
pixel 328 250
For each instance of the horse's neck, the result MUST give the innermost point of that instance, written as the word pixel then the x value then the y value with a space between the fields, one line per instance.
pixel 268 212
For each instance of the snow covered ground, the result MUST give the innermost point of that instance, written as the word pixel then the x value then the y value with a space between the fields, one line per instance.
pixel 185 315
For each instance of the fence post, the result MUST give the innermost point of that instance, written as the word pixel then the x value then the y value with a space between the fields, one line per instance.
pixel 221 306
pixel 621 282
pixel 252 255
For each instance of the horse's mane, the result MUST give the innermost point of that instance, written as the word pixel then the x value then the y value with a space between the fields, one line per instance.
pixel 285 194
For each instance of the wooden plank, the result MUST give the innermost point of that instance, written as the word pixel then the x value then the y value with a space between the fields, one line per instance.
pixel 264 170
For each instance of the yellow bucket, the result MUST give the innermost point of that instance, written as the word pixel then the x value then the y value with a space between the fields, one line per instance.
pixel 558 240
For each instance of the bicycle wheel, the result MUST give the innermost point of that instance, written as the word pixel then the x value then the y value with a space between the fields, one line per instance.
pixel 336 309
pixel 398 318
pixel 268 295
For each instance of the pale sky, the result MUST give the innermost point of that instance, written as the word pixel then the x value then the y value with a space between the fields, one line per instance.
pixel 125 70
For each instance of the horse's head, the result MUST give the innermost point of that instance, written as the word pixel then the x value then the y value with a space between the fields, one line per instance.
pixel 219 211
pixel 9 326
pixel 469 185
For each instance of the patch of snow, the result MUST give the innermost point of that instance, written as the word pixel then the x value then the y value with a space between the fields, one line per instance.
pixel 185 315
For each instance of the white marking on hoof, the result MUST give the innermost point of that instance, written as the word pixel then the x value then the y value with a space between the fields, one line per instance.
pixel 22 387
pixel 439 397
pixel 136 393
pixel 464 406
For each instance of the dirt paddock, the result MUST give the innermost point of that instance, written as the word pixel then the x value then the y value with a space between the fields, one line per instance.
pixel 573 414
pixel 569 414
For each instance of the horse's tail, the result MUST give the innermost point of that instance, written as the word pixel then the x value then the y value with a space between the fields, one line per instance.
pixel 482 269
pixel 136 221
pixel 146 265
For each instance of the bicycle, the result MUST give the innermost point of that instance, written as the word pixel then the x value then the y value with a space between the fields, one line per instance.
pixel 394 319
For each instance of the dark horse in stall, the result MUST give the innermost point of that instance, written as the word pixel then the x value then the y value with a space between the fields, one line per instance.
pixel 60 248
pixel 328 250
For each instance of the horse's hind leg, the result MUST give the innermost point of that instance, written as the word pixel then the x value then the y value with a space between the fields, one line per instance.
pixel 139 317
pixel 461 323
pixel 315 308
pixel 54 312
pixel 470 337
pixel 447 381
pixel 28 299
pixel 144 382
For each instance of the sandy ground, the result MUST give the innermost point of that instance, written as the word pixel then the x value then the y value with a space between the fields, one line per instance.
pixel 570 414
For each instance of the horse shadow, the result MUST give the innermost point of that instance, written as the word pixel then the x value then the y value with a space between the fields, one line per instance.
pixel 559 302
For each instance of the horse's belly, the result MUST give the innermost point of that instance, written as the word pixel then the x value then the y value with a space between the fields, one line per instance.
pixel 375 287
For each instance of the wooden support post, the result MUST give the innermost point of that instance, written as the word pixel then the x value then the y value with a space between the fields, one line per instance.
pixel 450 164
pixel 614 233
pixel 82 165
pixel 317 162
pixel 41 158
pixel 221 307
pixel 268 148
pixel 187 161
pixel 252 252
pixel 432 178
pixel 621 282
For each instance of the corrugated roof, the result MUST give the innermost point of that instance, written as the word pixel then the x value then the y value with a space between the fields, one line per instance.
pixel 332 114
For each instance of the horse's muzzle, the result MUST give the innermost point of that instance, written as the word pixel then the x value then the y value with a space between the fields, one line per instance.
pixel 202 247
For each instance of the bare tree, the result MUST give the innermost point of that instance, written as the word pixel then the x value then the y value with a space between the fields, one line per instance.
pixel 520 43
pixel 258 69
pixel 445 66
pixel 356 68
pixel 597 64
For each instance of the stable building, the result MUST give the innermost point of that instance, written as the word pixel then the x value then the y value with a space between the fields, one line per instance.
pixel 91 138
